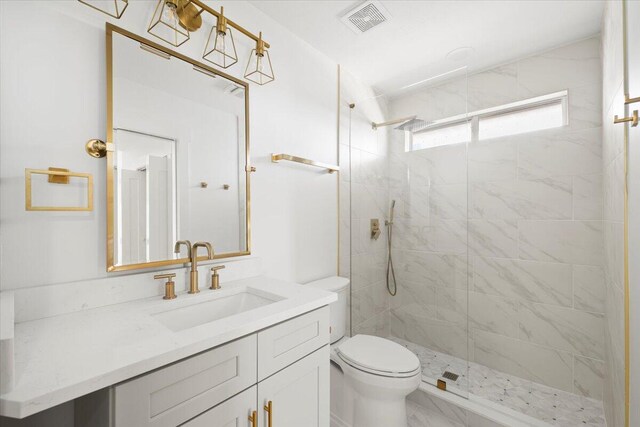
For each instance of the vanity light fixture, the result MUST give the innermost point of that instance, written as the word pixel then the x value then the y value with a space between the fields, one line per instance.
pixel 174 20
pixel 114 8
pixel 165 23
pixel 259 69
pixel 220 48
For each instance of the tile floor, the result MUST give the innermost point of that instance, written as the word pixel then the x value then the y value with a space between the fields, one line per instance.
pixel 553 406
pixel 417 416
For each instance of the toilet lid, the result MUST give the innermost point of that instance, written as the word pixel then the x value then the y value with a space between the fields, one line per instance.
pixel 378 355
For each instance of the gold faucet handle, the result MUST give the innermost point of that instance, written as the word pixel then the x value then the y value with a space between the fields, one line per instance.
pixel 215 277
pixel 169 287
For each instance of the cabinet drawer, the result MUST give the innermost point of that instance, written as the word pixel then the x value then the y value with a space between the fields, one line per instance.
pixel 177 393
pixel 283 344
pixel 234 412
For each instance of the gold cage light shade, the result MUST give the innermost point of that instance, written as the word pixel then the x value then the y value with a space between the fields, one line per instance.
pixel 221 48
pixel 114 8
pixel 165 23
pixel 259 69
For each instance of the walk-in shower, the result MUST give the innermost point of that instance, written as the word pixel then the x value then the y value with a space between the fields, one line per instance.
pixel 491 184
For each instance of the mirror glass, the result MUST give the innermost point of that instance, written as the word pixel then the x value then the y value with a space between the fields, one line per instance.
pixel 178 159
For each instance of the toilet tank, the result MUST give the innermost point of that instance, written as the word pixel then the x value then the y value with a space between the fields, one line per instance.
pixel 337 309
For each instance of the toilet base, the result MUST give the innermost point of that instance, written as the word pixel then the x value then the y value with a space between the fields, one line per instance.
pixel 359 400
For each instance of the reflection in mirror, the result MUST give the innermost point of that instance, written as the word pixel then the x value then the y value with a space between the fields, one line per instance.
pixel 145 199
pixel 179 156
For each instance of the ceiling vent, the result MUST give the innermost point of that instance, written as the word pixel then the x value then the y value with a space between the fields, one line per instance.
pixel 366 16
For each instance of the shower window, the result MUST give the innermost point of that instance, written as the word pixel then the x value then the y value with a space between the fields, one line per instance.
pixel 530 115
pixel 443 135
pixel 539 117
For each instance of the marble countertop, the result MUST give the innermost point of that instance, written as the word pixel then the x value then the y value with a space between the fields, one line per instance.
pixel 60 358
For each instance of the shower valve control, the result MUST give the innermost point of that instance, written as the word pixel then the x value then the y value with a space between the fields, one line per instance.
pixel 375 228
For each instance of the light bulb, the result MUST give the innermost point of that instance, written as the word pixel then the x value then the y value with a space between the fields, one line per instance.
pixel 170 14
pixel 259 66
pixel 220 46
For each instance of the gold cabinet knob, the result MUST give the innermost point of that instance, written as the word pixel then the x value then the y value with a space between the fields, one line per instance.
pixel 169 286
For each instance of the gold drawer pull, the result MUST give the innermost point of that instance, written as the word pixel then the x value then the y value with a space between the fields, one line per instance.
pixel 269 409
pixel 634 119
pixel 254 419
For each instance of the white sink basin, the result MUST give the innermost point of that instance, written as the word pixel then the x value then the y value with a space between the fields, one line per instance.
pixel 208 311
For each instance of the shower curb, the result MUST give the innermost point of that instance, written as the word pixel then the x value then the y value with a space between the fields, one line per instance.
pixel 482 410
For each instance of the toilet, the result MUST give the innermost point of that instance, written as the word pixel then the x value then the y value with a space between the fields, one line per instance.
pixel 370 376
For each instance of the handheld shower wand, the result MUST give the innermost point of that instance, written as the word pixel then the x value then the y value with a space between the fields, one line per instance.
pixel 391 274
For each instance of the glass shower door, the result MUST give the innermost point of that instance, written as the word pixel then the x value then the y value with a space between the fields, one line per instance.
pixel 408 171
pixel 428 158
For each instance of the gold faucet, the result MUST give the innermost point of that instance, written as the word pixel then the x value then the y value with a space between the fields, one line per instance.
pixel 187 243
pixel 193 283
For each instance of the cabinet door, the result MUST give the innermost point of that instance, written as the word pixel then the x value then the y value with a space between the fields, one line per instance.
pixel 174 394
pixel 299 394
pixel 235 412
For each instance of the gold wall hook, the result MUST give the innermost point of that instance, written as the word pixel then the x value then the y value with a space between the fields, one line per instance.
pixel 628 100
pixel 634 119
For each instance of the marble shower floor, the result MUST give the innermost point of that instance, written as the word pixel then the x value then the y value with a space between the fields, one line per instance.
pixel 550 405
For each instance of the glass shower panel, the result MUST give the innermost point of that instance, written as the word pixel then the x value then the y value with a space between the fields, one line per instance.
pixel 429 183
pixel 409 172
pixel 369 200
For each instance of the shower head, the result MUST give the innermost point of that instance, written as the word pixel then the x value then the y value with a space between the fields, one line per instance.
pixel 375 125
pixel 393 205
pixel 413 125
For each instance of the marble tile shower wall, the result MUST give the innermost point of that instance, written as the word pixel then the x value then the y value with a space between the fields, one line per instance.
pixel 613 175
pixel 500 244
pixel 364 194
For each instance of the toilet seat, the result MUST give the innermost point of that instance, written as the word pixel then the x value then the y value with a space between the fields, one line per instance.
pixel 379 356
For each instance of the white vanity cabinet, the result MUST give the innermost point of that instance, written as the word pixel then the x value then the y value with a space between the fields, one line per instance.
pixel 234 412
pixel 294 397
pixel 172 395
pixel 286 364
pixel 298 395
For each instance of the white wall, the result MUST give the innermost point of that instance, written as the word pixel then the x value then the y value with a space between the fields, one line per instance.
pixel 53 100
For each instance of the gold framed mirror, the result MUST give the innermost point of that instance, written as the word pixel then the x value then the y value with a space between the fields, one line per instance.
pixel 177 155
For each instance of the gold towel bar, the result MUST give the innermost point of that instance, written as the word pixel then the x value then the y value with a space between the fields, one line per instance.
pixel 57 176
pixel 275 158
